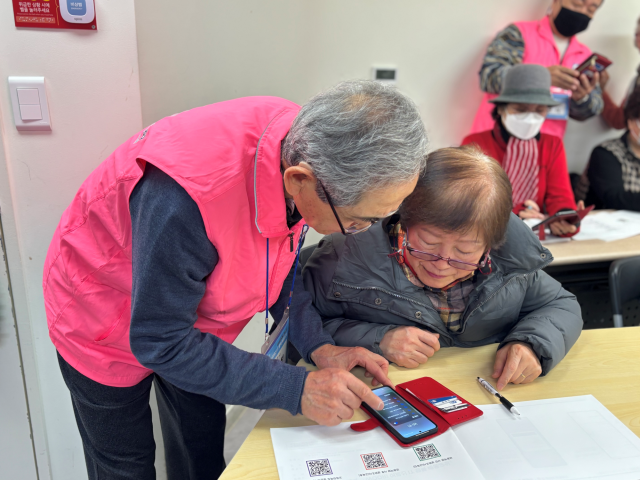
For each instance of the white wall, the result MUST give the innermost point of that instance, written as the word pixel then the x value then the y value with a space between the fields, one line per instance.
pixel 94 99
pixel 207 51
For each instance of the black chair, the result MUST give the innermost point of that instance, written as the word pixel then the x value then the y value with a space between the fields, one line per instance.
pixel 624 283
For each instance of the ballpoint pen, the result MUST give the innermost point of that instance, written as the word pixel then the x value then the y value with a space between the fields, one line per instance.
pixel 507 404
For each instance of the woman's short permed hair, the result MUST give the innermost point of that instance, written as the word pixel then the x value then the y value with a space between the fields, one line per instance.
pixel 632 108
pixel 462 190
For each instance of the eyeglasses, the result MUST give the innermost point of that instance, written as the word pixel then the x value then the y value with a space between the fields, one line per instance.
pixel 432 257
pixel 353 228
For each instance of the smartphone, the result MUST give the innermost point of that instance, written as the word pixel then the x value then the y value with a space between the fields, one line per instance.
pixel 595 63
pixel 400 417
pixel 569 216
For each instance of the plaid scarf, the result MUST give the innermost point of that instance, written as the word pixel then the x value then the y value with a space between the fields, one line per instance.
pixel 450 301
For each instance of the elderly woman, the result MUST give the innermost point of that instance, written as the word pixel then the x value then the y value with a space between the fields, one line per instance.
pixel 454 268
pixel 183 234
pixel 614 167
pixel 535 162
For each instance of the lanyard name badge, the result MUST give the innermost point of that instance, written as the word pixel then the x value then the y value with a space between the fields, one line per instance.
pixel 275 345
pixel 561 111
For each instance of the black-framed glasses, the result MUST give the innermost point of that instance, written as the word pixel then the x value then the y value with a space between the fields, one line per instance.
pixel 353 228
pixel 432 257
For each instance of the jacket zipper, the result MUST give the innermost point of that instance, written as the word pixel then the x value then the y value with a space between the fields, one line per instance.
pixel 401 297
pixel 275 265
pixel 387 292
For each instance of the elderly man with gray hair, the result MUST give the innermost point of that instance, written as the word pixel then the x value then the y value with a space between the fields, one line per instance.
pixel 189 229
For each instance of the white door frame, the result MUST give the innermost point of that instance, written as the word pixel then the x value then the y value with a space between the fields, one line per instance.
pixel 22 319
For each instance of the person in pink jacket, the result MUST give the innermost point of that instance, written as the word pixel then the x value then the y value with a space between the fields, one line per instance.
pixel 185 232
pixel 552 43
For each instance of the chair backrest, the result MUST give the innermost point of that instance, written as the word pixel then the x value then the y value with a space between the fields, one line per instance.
pixel 305 253
pixel 624 282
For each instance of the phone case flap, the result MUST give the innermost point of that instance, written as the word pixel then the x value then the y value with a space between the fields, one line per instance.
pixel 426 388
pixel 366 425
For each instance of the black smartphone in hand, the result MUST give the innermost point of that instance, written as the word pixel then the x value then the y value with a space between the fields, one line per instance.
pixel 401 418
pixel 569 216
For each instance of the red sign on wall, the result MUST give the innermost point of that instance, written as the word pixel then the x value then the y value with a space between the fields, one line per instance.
pixel 73 14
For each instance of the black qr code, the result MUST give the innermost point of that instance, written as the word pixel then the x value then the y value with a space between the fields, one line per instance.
pixel 373 460
pixel 319 467
pixel 425 452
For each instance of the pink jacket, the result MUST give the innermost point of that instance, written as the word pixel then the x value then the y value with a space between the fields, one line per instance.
pixel 539 48
pixel 227 157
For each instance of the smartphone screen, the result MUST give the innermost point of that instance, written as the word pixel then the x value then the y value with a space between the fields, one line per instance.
pixel 400 417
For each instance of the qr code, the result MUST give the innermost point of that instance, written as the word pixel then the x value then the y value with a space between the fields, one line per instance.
pixel 425 452
pixel 319 467
pixel 373 460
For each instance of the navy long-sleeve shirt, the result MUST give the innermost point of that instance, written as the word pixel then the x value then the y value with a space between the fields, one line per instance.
pixel 172 258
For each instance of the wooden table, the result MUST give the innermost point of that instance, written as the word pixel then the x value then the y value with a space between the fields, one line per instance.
pixel 604 363
pixel 591 251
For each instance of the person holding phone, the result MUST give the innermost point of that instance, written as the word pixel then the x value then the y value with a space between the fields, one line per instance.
pixel 188 230
pixel 552 43
pixel 535 162
pixel 454 267
pixel 613 114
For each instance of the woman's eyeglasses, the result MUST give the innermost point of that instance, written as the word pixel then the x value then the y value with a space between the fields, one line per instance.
pixel 432 257
pixel 354 227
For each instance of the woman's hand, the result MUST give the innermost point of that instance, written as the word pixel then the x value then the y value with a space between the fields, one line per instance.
pixel 516 363
pixel 409 346
pixel 563 228
pixel 532 210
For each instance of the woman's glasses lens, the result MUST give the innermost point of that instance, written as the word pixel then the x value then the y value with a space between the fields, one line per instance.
pixel 433 258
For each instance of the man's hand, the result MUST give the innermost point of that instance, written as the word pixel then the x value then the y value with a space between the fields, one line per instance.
pixel 346 358
pixel 331 395
pixel 586 86
pixel 409 346
pixel 532 210
pixel 516 363
pixel 564 77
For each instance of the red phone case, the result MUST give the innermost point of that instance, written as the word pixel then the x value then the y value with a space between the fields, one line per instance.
pixel 425 388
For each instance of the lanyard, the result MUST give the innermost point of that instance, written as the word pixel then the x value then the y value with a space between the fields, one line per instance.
pixel 303 233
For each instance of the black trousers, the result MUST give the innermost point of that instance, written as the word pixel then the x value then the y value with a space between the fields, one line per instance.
pixel 117 433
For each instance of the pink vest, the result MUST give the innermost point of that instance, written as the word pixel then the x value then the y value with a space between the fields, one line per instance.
pixel 540 48
pixel 227 157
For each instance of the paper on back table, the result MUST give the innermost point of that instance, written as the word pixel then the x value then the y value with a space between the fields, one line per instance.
pixel 313 452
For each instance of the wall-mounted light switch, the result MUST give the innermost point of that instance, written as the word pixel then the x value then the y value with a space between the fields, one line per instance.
pixel 29 101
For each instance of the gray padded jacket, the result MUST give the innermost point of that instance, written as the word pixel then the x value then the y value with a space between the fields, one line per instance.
pixel 361 294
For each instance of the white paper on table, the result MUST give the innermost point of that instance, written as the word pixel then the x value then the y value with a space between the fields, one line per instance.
pixel 562 438
pixel 556 439
pixel 313 452
pixel 609 226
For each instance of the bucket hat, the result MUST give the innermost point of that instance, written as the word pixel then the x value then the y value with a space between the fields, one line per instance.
pixel 527 83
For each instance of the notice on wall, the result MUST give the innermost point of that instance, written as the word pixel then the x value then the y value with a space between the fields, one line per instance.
pixel 56 14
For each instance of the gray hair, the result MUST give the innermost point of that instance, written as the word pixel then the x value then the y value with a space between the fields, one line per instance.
pixel 358 136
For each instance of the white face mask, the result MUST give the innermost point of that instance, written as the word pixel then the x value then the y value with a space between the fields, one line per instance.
pixel 523 125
